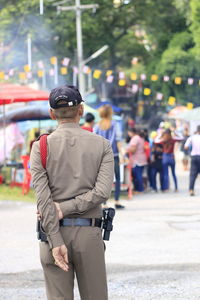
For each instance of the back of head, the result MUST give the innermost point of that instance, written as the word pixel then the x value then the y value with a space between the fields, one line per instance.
pixel 89 118
pixel 65 102
pixel 105 113
pixel 198 129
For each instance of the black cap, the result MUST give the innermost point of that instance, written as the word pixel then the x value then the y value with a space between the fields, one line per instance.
pixel 68 94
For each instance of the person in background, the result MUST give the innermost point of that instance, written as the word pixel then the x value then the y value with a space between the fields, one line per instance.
pixel 146 173
pixel 186 152
pixel 156 165
pixel 168 159
pixel 89 122
pixel 136 150
pixel 194 142
pixel 37 134
pixel 110 130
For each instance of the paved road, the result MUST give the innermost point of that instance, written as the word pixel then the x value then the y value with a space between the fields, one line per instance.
pixel 154 252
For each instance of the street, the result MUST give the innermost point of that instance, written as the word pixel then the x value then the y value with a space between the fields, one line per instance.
pixel 153 253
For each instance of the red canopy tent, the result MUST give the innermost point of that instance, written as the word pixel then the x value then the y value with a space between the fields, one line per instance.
pixel 10 93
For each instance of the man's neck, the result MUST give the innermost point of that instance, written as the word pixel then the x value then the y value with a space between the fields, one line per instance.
pixel 76 121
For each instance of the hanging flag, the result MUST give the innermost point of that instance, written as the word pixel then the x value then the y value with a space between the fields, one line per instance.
pixel 190 81
pixel 110 78
pixel 178 80
pixel 6 77
pixel 135 88
pixel 134 61
pixel 147 91
pixel 109 73
pixel 143 76
pixel 51 72
pixel 86 70
pixel 121 75
pixel 154 77
pixel 53 60
pixel 11 72
pixel 40 64
pixel 172 101
pixel 133 76
pixel 97 74
pixel 40 73
pixel 65 61
pixel 122 82
pixel 159 96
pixel 2 75
pixel 29 75
pixel 190 105
pixel 27 68
pixel 22 75
pixel 75 69
pixel 63 71
pixel 166 78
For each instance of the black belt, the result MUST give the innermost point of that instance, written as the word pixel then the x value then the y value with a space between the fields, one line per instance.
pixel 81 222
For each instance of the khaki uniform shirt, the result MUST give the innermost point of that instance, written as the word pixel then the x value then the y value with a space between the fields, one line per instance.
pixel 79 175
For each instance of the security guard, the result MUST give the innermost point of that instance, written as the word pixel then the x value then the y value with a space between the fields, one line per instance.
pixel 78 177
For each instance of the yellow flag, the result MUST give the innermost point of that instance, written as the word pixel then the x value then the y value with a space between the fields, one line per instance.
pixel 154 77
pixel 171 101
pixel 22 75
pixel 147 91
pixel 122 82
pixel 97 74
pixel 178 80
pixel 63 71
pixel 2 75
pixel 40 73
pixel 190 105
pixel 133 76
pixel 53 60
pixel 109 73
pixel 27 68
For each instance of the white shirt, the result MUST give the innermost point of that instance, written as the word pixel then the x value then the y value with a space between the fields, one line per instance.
pixel 193 141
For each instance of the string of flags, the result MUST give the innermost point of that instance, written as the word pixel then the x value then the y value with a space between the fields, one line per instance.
pixel 136 81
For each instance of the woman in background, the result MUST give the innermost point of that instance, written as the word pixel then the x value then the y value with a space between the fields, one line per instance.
pixel 110 130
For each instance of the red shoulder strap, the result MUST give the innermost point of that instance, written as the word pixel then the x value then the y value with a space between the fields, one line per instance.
pixel 43 149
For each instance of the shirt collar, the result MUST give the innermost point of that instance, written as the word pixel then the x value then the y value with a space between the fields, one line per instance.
pixel 68 125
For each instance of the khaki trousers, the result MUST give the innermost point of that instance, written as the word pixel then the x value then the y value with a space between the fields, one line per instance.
pixel 86 260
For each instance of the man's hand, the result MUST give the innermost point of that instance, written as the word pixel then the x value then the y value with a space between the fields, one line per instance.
pixel 61 257
pixel 60 214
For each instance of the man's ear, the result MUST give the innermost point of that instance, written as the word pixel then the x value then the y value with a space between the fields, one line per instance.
pixel 52 114
pixel 81 110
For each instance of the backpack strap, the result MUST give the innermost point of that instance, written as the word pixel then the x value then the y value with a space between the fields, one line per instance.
pixel 43 149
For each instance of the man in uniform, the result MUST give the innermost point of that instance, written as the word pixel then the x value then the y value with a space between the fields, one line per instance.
pixel 77 179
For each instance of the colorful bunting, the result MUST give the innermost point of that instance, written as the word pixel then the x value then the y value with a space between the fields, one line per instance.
pixel 53 60
pixel 109 73
pixel 65 61
pixel 110 79
pixel 135 88
pixel 147 91
pixel 22 75
pixel 122 82
pixel 27 68
pixel 190 105
pixel 172 101
pixel 166 78
pixel 178 80
pixel 97 74
pixel 154 77
pixel 2 75
pixel 133 76
pixel 63 71
pixel 40 73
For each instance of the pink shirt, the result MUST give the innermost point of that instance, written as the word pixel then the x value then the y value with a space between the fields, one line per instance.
pixel 139 157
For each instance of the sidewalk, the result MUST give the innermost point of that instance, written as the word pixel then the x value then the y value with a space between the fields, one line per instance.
pixel 153 252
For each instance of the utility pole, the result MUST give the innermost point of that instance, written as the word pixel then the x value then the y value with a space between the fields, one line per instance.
pixel 78 8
